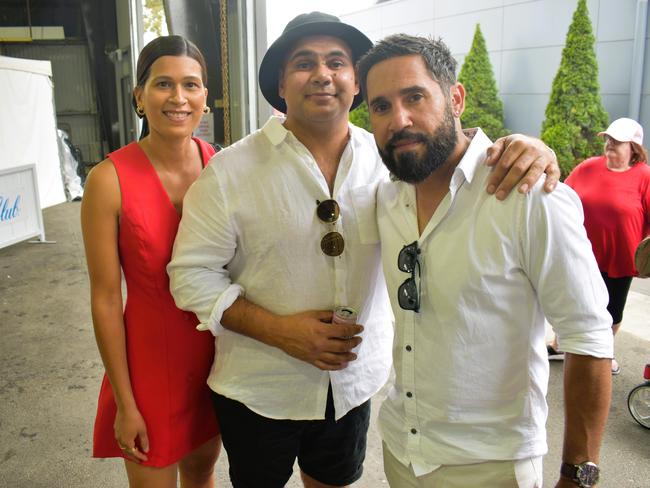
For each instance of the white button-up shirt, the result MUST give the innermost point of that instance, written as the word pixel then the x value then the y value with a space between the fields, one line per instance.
pixel 471 367
pixel 250 227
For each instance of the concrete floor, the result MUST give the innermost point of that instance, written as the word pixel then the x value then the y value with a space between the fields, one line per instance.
pixel 51 371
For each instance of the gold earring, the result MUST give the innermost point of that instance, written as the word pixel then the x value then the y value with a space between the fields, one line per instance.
pixel 206 110
pixel 139 110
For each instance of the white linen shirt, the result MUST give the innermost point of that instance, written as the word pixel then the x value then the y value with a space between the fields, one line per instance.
pixel 250 227
pixel 471 367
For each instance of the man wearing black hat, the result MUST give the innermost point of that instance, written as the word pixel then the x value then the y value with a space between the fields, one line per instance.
pixel 277 233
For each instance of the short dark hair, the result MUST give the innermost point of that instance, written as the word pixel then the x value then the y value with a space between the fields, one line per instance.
pixel 167 46
pixel 435 53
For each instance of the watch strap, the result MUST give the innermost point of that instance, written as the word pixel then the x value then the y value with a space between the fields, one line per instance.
pixel 575 473
pixel 569 471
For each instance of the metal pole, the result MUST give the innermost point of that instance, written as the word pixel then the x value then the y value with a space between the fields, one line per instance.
pixel 264 110
pixel 29 20
pixel 225 79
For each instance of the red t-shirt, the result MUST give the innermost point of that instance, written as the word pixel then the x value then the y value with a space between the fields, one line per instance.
pixel 617 211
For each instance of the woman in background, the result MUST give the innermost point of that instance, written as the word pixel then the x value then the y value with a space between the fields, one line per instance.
pixel 154 406
pixel 615 192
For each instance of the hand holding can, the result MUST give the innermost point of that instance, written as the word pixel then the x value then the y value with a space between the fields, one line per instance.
pixel 345 316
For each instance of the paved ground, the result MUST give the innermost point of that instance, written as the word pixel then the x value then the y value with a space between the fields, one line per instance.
pixel 50 375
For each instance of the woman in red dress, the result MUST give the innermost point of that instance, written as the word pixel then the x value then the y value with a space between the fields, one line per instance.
pixel 615 193
pixel 154 406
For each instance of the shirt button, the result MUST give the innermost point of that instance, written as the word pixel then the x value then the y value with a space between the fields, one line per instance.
pixel 408 348
pixel 414 431
pixel 409 394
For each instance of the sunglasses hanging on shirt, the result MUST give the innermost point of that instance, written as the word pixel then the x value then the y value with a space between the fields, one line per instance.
pixel 408 294
pixel 328 212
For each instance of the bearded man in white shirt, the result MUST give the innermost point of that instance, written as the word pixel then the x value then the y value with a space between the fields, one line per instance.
pixel 277 231
pixel 470 279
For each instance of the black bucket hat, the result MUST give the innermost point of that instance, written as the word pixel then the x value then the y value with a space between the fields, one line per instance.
pixel 304 25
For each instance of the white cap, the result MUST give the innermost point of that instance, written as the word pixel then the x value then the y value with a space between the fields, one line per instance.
pixel 625 130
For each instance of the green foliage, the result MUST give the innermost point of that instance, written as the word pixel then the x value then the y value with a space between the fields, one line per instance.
pixel 154 16
pixel 575 113
pixel 359 117
pixel 483 107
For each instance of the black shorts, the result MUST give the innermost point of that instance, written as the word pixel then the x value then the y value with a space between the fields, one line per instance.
pixel 617 288
pixel 261 451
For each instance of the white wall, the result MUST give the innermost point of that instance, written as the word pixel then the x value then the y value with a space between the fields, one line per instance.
pixel 525 40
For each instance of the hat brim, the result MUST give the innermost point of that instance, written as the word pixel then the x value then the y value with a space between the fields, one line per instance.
pixel 272 63
pixel 615 136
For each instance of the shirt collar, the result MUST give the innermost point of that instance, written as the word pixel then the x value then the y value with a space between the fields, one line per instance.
pixel 274 130
pixel 276 133
pixel 474 155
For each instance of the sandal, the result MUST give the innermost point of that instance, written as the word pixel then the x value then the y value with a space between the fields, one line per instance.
pixel 554 354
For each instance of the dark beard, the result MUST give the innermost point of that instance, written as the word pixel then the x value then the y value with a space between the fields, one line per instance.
pixel 411 168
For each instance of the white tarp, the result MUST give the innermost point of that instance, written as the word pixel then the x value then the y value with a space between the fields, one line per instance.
pixel 28 124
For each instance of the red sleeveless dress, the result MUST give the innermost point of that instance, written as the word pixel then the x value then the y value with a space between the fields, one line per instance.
pixel 169 360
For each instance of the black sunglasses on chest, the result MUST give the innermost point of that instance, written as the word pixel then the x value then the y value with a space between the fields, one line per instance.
pixel 408 294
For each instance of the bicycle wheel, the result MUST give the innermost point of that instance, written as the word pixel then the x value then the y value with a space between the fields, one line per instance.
pixel 638 403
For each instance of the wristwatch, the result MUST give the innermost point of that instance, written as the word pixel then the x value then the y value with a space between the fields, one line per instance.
pixel 585 475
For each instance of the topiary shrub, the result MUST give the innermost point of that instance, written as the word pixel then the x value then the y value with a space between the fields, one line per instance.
pixel 483 107
pixel 359 117
pixel 575 113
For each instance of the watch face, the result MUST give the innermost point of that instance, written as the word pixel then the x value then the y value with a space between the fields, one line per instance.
pixel 587 474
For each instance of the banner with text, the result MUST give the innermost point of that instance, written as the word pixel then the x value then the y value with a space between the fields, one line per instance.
pixel 20 211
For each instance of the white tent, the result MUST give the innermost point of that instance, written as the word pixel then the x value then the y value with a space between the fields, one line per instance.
pixel 28 124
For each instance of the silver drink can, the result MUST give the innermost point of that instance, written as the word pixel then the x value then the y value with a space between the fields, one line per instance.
pixel 344 315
